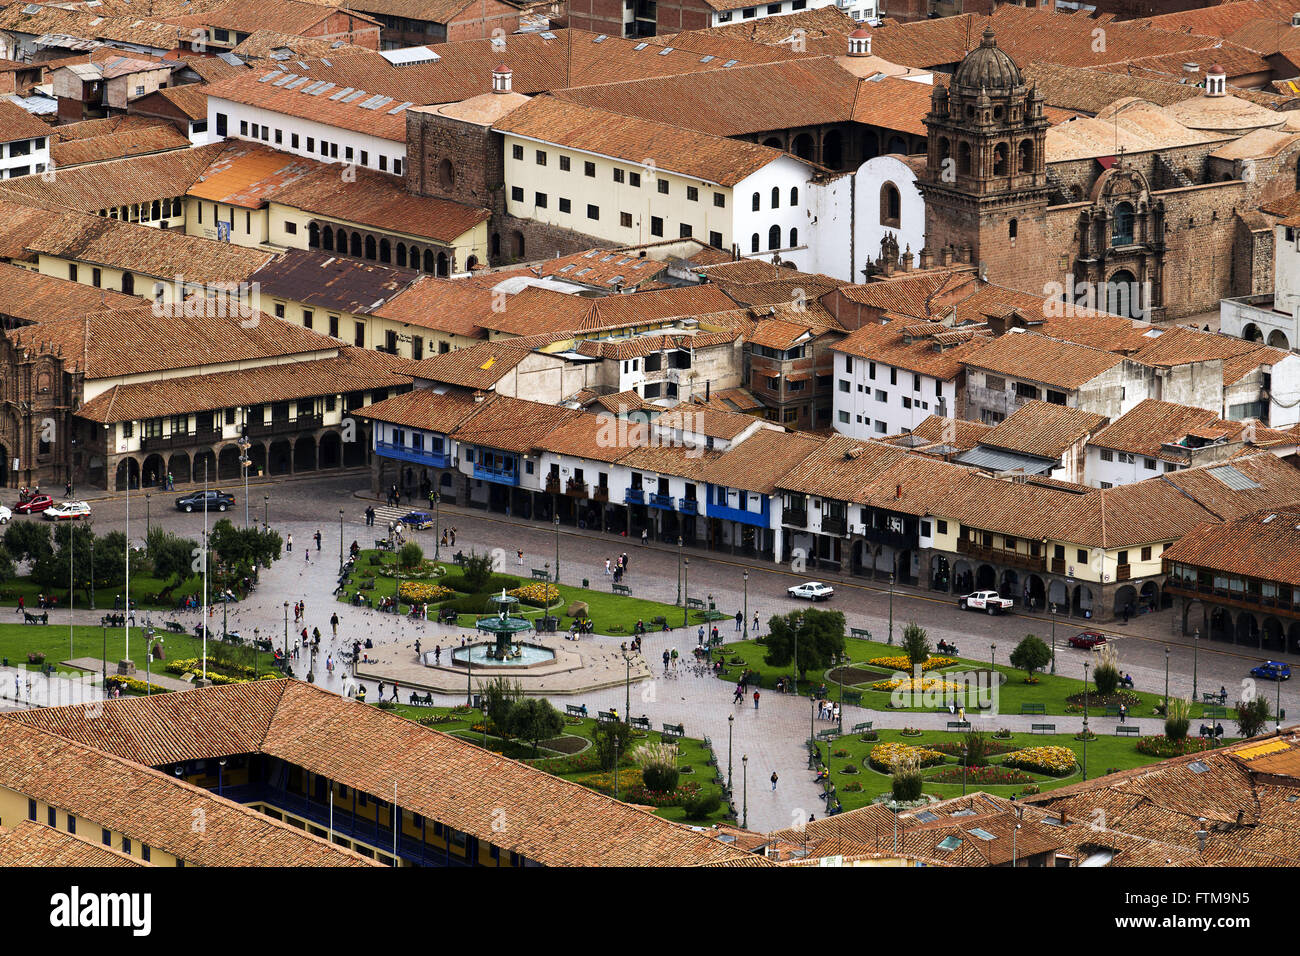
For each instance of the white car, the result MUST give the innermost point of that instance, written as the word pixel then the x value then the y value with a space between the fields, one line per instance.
pixel 985 601
pixel 812 590
pixel 68 509
pixel 5 514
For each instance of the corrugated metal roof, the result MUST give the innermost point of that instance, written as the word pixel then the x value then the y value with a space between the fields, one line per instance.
pixel 995 460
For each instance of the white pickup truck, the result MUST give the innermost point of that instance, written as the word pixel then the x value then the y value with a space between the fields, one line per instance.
pixel 985 601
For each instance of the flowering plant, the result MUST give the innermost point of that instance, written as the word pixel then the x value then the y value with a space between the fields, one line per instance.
pixel 1056 761
pixel 905 663
pixel 884 756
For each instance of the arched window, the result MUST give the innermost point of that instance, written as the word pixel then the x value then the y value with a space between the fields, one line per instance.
pixel 1123 231
pixel 370 247
pixel 385 251
pixel 444 265
pixel 794 195
pixel 774 237
pixel 354 245
pixel 471 262
pixel 963 159
pixel 128 283
pixel 1013 227
pixel 401 254
pixel 313 236
pixel 156 210
pixel 776 197
pixel 428 260
pixel 794 238
pixel 753 243
pixel 891 205
pixel 446 174
pixel 1000 159
pixel 755 202
pixel 1026 155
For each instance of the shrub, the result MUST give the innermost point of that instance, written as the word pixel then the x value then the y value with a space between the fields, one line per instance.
pixel 1252 715
pixel 1031 655
pixel 906 784
pixel 915 644
pixel 702 805
pixel 605 736
pixel 1054 761
pixel 977 748
pixel 417 592
pixel 477 570
pixel 1106 674
pixel 1178 719
pixel 658 763
pixel 1165 747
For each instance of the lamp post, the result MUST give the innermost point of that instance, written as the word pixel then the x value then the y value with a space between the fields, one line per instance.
pixel 1052 608
pixel 1013 845
pixel 686 588
pixel 148 513
pixel 993 653
pixel 286 634
pixel 340 541
pixel 257 639
pixel 812 732
pixel 627 685
pixel 72 540
pixel 469 674
pixel 839 680
pixel 794 675
pixel 148 660
pixel 744 782
pixel 616 766
pixel 891 607
pixel 437 522
pixel 1196 647
pixel 745 575
pixel 557 546
pixel 266 512
pixel 104 678
pixel 731 723
pixel 1166 682
pixel 679 571
pixel 244 461
pixel 92 568
pixel 1277 708
pixel 1085 720
pixel 964 760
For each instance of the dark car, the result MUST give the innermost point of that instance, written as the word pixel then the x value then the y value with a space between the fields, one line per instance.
pixel 205 500
pixel 1087 640
pixel 33 505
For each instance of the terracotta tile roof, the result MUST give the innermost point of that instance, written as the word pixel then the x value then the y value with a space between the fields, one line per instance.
pixel 604 268
pixel 1180 345
pixel 98 149
pixel 616 403
pixel 733 400
pixel 377 200
pixel 815 23
pixel 1150 423
pixel 706 420
pixel 103 127
pixel 212 68
pixel 925 295
pixel 444 305
pixel 778 333
pixel 478 366
pixel 283 16
pixel 19 221
pixel 535 310
pixel 711 158
pixel 648 343
pixel 34 844
pixel 693 463
pixel 512 424
pixel 893 103
pixel 425 408
pixel 760 461
pixel 1044 429
pixel 892 345
pixel 1038 358
pixel 190 98
pixel 272 45
pixel 28 296
pixel 588 435
pixel 1264 545
pixel 957 433
pixel 16 123
pixel 121 182
pixel 1235 59
pixel 261 88
pixel 354 370
pixel 322 279
pixel 160 253
pixel 38 20
pixel 152 807
pixel 743 271
pixel 132 341
pixel 1091 91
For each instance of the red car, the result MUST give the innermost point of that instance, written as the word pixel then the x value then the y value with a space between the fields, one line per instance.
pixel 1087 640
pixel 33 505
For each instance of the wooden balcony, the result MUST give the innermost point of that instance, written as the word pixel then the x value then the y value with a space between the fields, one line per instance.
pixel 601 493
pixel 552 485
pixel 1017 559
pixel 576 489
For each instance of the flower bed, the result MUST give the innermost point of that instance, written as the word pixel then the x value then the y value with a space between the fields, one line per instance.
pixel 1162 746
pixel 953 748
pixel 417 592
pixel 913 685
pixel 883 756
pixel 905 663
pixel 1053 761
pixel 993 776
pixel 538 594
pixel 131 685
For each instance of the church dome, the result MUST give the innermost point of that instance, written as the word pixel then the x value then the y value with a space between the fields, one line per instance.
pixel 987 67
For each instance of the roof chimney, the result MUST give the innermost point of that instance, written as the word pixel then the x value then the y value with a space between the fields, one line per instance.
pixel 501 79
pixel 898 491
pixel 860 42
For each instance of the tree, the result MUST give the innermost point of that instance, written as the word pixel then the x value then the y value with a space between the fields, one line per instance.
pixel 110 558
pixel 535 720
pixel 240 550
pixel 1031 655
pixel 477 570
pixel 977 748
pixel 819 636
pixel 907 783
pixel 604 736
pixel 27 540
pixel 6 564
pixel 1252 715
pixel 173 556
pixel 411 556
pixel 916 643
pixel 56 568
pixel 502 696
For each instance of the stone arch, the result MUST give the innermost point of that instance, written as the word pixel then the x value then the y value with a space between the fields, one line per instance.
pixel 870 145
pixel 1277 339
pixel 891 205
pixel 1293 637
pixel 1272 637
pixel 427 261
pixel 1125 596
pixel 1123 295
pixel 940 573
pixel 385 251
pixel 1149 595
pixel 204 465
pixel 228 463
pixel 128 469
pixel 1081 605
pixel 446 174
pixel 444 265
pixel 327 238
pixel 128 283
pixel 963 159
pixel 178 466
pixel 313 235
pixel 401 254
pixel 517 240
pixel 1026 155
pixel 304 454
pixel 833 149
pixel 153 470
pixel 471 263
pixel 1058 595
pixel 331 450
pixel 1035 592
pixel 1220 625
pixel 1247 630
pixel 963 578
pixel 280 457
pixel 897 144
pixel 354 245
pixel 257 454
pixel 986 578
pixel 775 143
pixel 370 247
pixel 1252 333
pixel 803 146
pixel 356 452
pixel 1000 156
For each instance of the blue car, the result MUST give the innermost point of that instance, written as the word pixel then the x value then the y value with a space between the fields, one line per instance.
pixel 419 520
pixel 1272 670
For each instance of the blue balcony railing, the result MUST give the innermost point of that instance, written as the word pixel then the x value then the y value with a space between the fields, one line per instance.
pixel 688 506
pixel 634 496
pixel 661 501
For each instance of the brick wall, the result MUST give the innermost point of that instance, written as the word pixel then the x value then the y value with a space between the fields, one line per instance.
pixel 475 155
pixel 678 15
pixel 597 16
pixel 477 21
pixel 540 240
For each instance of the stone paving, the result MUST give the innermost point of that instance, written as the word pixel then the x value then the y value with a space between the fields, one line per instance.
pixel 772 736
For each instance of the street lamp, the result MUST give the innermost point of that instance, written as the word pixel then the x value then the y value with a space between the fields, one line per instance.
pixel 286 634
pixel 244 444
pixel 744 782
pixel 1013 845
pixel 679 570
pixel 437 521
pixel 266 512
pixel 964 760
pixel 557 546
pixel 731 723
pixel 627 683
pixel 148 659
pixel 993 653
pixel 745 575
pixel 891 607
pixel 148 513
pixel 686 588
pixel 1196 647
pixel 340 541
pixel 1085 719
pixel 1052 608
pixel 1166 681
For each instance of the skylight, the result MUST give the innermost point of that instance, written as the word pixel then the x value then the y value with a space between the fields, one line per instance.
pixel 982 834
pixel 949 843
pixel 1197 766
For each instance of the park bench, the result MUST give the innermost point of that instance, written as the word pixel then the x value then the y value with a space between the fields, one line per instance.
pixel 263 644
pixel 658 621
pixel 852 697
pixel 829 734
pixel 176 627
pixel 1214 698
pixel 622 589
pixel 366 584
pixel 1112 710
pixel 642 723
pixel 1214 712
pixel 418 701
pixel 829 793
pixel 575 710
pixel 1033 708
pixel 674 731
pixel 383 544
pixel 860 632
pixel 541 574
pixel 446 615
pixel 608 717
pixel 1042 728
pixel 29 618
pixel 1127 730
pixel 959 725
pixel 113 620
pixel 862 727
pixel 694 604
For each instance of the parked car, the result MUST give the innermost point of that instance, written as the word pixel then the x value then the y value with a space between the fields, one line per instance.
pixel 68 509
pixel 985 601
pixel 812 590
pixel 418 520
pixel 33 505
pixel 1087 640
pixel 205 500
pixel 1272 670
pixel 5 514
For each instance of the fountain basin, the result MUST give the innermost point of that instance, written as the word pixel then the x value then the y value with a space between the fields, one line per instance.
pixel 479 655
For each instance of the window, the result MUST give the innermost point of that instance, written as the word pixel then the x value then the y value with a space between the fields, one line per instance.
pixel 755 201
pixel 941 527
pixel 625 220
pixel 279 138
pixel 720 200
pixel 794 195
pixel 145 852
pixel 539 200
pixel 565 164
pixel 334 326
pixel 72 823
pixel 106 836
pixel 311 144
pixel 844 385
pixel 1056 398
pixel 365 157
pixel 663 187
pixel 773 8
pixel 715 240
pixel 881 396
pixel 517 193
pixel 279 310
pixel 893 376
pixel 776 197
pixel 1026 390
pixel 1122 234
pixel 96 278
pixel 882 428
pixel 844 417
pixel 589 169
pixel 891 204
pixel 566 205
pixel 1126 458
pixel 306 318
pixel 1107 455
pixel 774 238
pixel 397 167
pixel 1149 464
pixel 753 243
pixel 634 179
pixel 618 175
pixel 540 157
pixel 684 231
pixel 593 212
pixel 126 845
pixel 52 815
pixel 692 193
pixel 222 122
pixel 243 127
pixel 1012 228
pixel 749 13
pixel 517 151
pixel 293 140
pixel 1146 553
pixel 72 271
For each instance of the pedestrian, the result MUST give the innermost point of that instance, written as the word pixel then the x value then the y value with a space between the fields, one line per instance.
pixel 755 623
pixel 453 537
pixel 1123 712
pixel 607 570
pixel 306 556
pixel 520 555
pixel 756 708
pixel 381 691
pixel 624 562
pixel 417 648
pixel 334 624
pixel 674 658
pixel 394 690
pixel 317 539
pixel 700 637
pixel 437 654
pixel 739 695
pixel 774 778
pixel 21 606
pixel 715 634
pixel 645 536
pixel 288 542
pixel 739 620
pixel 666 659
pixel 67 489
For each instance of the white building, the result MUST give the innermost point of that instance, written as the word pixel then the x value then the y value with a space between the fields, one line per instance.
pixel 1271 318
pixel 24 142
pixel 888 203
pixel 724 12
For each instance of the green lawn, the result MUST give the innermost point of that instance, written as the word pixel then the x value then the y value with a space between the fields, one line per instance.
pixel 1105 754
pixel 611 613
pixel 1051 690
pixel 692 754
pixel 144 592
